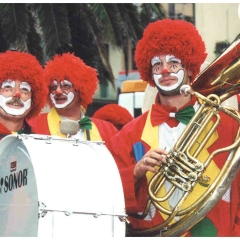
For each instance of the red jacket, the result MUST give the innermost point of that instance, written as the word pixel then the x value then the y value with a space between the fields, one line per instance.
pixel 4 131
pixel 222 220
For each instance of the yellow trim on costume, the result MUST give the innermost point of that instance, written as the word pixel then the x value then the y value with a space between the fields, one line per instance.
pixel 54 120
pixel 150 136
pixel 150 133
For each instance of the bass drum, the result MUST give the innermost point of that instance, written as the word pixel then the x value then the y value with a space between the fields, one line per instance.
pixel 54 187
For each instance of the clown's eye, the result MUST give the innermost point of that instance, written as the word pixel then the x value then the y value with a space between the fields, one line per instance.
pixel 53 87
pixel 8 84
pixel 157 64
pixel 66 87
pixel 25 87
pixel 25 90
pixel 7 87
pixel 175 62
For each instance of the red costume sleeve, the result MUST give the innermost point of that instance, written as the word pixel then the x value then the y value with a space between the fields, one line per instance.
pixel 106 129
pixel 39 124
pixel 120 147
pixel 4 131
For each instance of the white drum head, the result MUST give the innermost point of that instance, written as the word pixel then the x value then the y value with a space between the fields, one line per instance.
pixel 18 190
pixel 77 186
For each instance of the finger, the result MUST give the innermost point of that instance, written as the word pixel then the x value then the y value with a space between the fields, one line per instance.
pixel 141 169
pixel 156 158
pixel 161 151
pixel 151 169
pixel 145 161
pixel 148 163
pixel 151 162
pixel 148 166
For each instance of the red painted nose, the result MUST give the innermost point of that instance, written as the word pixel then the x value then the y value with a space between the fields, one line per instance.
pixel 17 95
pixel 57 92
pixel 164 71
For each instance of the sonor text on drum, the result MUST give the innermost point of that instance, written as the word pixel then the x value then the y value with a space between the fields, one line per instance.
pixel 14 180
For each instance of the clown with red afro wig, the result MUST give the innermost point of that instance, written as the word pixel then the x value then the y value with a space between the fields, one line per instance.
pixel 114 113
pixel 72 85
pixel 83 77
pixel 174 37
pixel 25 68
pixel 169 56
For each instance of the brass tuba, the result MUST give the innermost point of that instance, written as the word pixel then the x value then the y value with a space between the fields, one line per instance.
pixel 218 82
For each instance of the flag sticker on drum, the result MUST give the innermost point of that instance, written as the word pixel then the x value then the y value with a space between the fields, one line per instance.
pixel 13 166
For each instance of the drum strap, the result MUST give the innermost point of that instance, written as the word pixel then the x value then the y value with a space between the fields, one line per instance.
pixel 88 135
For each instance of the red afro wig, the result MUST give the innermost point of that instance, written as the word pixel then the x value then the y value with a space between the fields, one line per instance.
pixel 115 114
pixel 72 68
pixel 175 37
pixel 25 68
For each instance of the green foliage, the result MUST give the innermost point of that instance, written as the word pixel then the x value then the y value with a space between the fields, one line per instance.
pixel 44 29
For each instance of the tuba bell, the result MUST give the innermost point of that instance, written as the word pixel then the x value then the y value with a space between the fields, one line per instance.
pixel 184 169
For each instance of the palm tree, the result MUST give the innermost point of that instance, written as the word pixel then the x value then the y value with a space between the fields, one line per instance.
pixel 44 29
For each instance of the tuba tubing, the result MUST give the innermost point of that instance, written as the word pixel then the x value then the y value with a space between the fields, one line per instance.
pixel 211 200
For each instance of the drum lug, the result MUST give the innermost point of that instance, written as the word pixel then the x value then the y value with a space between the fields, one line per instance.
pixel 68 213
pixel 49 140
pixel 76 143
pixel 96 215
pixel 41 212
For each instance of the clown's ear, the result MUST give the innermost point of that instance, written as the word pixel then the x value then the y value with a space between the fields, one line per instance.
pixel 190 73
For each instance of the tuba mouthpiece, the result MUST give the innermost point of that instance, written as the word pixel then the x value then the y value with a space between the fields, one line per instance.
pixel 185 90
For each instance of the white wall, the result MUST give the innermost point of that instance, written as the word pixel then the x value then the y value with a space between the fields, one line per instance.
pixel 217 22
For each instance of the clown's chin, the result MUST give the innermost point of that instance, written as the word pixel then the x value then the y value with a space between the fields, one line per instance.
pixel 14 112
pixel 61 106
pixel 172 92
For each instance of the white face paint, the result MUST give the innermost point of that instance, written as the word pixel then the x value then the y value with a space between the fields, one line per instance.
pixel 14 111
pixel 179 75
pixel 69 98
pixel 172 66
pixel 12 104
pixel 9 84
pixel 66 95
